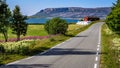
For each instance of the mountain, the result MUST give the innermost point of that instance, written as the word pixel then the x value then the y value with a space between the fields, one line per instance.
pixel 73 12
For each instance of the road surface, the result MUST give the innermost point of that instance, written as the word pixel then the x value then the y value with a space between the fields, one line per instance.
pixel 82 51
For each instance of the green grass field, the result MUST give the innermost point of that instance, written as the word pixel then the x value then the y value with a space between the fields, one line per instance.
pixel 37 30
pixel 33 30
pixel 40 45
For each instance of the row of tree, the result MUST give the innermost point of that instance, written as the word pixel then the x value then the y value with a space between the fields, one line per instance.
pixel 14 20
pixel 113 19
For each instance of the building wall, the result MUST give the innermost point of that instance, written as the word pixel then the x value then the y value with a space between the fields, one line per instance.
pixel 92 18
pixel 85 18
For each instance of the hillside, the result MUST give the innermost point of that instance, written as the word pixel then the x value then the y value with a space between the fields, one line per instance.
pixel 73 12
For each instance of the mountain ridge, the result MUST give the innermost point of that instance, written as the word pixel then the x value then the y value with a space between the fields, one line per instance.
pixel 73 12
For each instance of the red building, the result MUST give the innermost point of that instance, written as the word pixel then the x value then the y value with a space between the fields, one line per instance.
pixel 91 18
pixel 86 18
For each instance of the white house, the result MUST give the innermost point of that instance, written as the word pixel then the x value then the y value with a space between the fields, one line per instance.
pixel 83 22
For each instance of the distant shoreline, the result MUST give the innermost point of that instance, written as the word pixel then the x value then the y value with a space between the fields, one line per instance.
pixel 43 20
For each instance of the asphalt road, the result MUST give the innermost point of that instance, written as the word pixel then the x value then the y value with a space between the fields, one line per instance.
pixel 82 51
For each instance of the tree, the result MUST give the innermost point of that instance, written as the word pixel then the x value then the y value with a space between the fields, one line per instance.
pixel 19 25
pixel 117 5
pixel 56 26
pixel 5 15
pixel 113 19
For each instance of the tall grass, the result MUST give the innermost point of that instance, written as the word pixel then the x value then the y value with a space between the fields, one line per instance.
pixel 21 47
pixel 110 57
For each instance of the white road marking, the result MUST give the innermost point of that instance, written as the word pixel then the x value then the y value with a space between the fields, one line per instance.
pixel 98 46
pixel 53 47
pixel 97 53
pixel 96 59
pixel 97 49
pixel 99 37
pixel 98 42
pixel 13 62
pixel 63 42
pixel 70 39
pixel 29 58
pixel 44 52
pixel 58 45
pixel 95 65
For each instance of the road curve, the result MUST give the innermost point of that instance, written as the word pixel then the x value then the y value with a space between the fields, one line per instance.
pixel 82 51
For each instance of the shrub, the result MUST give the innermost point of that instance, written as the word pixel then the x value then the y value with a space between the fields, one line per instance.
pixel 2 49
pixel 21 47
pixel 113 20
pixel 56 26
pixel 51 39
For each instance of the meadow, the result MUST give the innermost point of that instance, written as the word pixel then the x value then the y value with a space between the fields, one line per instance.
pixel 37 30
pixel 33 30
pixel 27 48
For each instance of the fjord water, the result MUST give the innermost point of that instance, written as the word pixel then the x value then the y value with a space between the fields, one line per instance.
pixel 43 20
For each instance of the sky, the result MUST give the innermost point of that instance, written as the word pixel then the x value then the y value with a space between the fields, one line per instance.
pixel 30 7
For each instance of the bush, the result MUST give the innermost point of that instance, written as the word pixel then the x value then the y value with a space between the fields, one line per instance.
pixel 51 39
pixel 113 19
pixel 21 47
pixel 2 50
pixel 56 26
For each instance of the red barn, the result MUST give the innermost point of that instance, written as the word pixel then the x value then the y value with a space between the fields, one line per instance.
pixel 91 18
pixel 86 18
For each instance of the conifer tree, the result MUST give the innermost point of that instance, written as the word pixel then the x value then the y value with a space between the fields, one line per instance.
pixel 113 19
pixel 5 15
pixel 19 25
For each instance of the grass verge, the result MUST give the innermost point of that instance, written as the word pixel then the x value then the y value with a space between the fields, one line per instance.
pixel 42 45
pixel 110 57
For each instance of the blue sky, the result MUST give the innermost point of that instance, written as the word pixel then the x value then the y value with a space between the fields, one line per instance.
pixel 30 7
